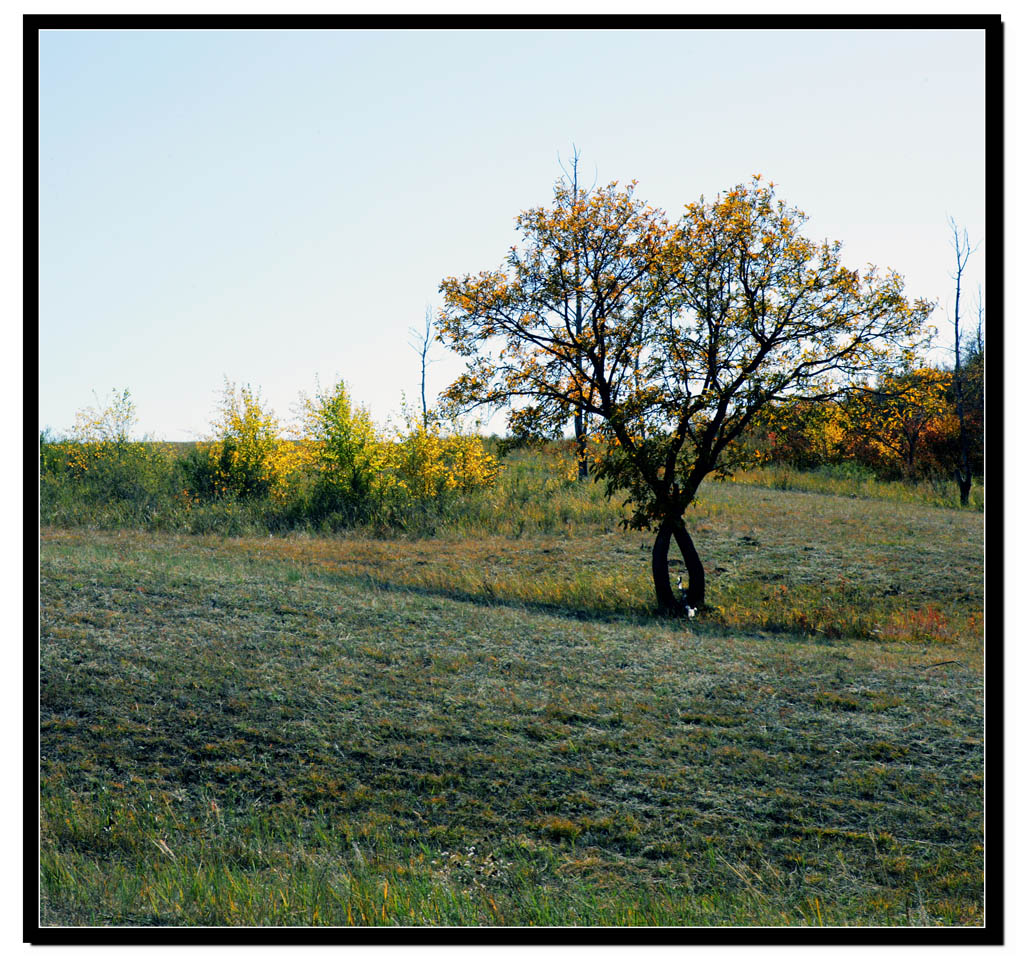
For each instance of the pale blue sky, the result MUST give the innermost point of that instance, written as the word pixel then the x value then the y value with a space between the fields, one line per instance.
pixel 275 205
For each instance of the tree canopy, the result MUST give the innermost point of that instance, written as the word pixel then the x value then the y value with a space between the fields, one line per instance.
pixel 688 329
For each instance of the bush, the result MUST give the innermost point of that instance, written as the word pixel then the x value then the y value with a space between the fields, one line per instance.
pixel 99 468
pixel 245 440
pixel 200 472
pixel 429 461
pixel 341 446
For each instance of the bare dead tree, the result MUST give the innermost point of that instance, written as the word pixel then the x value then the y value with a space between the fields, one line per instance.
pixel 962 250
pixel 975 377
pixel 979 337
pixel 422 345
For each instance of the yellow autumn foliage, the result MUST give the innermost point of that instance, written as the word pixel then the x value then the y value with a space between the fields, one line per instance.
pixel 426 461
pixel 247 454
pixel 340 462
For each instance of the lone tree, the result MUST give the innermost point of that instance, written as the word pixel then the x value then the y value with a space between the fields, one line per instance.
pixel 690 329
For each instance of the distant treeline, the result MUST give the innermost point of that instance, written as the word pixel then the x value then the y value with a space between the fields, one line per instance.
pixel 906 428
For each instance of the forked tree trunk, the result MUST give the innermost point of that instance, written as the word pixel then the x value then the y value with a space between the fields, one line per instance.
pixel 668 603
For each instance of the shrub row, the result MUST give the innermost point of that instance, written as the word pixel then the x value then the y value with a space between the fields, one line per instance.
pixel 337 470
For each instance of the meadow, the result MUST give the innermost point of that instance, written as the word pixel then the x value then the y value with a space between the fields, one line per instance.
pixel 477 717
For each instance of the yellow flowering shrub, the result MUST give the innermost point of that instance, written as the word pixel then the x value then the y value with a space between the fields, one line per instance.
pixel 247 455
pixel 429 461
pixel 286 465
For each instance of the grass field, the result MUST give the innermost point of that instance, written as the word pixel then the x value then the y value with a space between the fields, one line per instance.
pixel 480 729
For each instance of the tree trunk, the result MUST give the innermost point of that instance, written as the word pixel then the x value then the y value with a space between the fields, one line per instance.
pixel 694 597
pixel 963 480
pixel 582 470
pixel 694 568
pixel 963 472
pixel 423 385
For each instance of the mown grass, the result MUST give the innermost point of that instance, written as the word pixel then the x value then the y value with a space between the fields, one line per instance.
pixel 498 730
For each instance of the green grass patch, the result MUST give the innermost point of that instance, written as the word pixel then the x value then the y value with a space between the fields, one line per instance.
pixel 849 479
